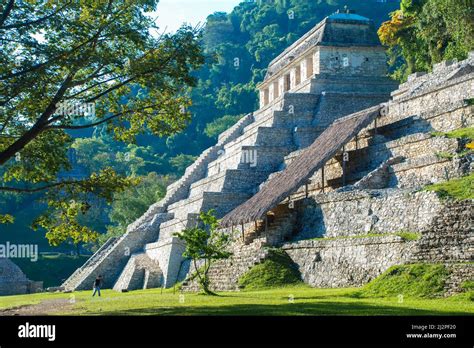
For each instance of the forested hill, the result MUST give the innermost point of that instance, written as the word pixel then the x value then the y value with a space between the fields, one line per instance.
pixel 241 44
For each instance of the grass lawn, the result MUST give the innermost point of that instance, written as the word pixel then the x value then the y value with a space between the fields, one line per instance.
pixel 291 300
pixel 459 188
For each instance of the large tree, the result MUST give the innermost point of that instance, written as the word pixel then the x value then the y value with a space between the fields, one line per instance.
pixel 424 32
pixel 59 58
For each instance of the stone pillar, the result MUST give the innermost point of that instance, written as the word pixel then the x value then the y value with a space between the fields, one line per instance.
pixel 281 85
pixel 273 90
pixel 298 74
pixel 293 83
pixel 309 66
pixel 287 82
pixel 262 98
pixel 295 76
pixel 169 254
pixel 304 70
pixel 316 60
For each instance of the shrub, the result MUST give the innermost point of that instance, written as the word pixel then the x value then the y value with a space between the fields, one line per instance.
pixel 418 280
pixel 277 270
pixel 468 285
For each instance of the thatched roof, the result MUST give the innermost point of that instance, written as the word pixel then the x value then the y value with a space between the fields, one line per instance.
pixel 301 169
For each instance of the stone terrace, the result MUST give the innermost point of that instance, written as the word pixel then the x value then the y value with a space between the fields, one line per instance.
pixel 327 74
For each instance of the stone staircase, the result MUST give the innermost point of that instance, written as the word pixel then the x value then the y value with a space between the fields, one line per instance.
pixel 236 130
pixel 113 255
pixel 216 180
pixel 179 189
pixel 141 272
pixel 77 277
pixel 278 230
pixel 224 274
pixel 252 250
pixel 196 171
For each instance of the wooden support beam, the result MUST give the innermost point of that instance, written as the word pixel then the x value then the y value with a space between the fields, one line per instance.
pixel 344 160
pixel 306 190
pixel 322 178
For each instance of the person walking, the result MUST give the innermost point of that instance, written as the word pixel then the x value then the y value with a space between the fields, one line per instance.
pixel 97 285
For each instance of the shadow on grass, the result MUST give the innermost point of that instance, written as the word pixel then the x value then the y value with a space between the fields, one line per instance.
pixel 290 309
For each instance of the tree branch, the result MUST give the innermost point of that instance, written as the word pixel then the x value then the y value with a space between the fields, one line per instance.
pixel 6 12
pixel 72 127
pixel 4 125
pixel 37 21
pixel 94 85
pixel 42 188
pixel 39 126
pixel 62 56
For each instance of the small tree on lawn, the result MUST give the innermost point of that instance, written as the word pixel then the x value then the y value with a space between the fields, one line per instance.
pixel 205 242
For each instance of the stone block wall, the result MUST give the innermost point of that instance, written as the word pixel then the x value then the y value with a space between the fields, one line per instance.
pixel 335 105
pixel 359 212
pixel 458 274
pixel 361 61
pixel 229 181
pixel 347 84
pixel 221 202
pixel 352 259
pixel 168 253
pixel 14 288
pixel 263 158
pixel 347 262
pixel 224 274
pixel 450 237
pixel 13 281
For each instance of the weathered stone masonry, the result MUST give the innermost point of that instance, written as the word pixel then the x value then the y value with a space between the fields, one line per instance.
pixel 291 119
pixel 13 281
pixel 336 69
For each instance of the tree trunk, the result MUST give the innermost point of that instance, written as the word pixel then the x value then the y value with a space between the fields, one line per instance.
pixel 38 127
pixel 206 282
pixel 18 145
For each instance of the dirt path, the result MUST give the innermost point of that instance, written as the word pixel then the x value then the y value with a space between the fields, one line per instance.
pixel 46 307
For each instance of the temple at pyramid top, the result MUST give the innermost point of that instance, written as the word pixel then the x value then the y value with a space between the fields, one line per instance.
pixel 341 45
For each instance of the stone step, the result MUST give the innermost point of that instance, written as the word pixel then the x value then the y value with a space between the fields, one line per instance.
pixel 224 274
pixel 230 180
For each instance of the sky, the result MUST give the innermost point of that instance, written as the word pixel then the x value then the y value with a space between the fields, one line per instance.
pixel 172 13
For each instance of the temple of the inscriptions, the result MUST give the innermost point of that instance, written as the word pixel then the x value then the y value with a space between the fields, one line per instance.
pixel 336 149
